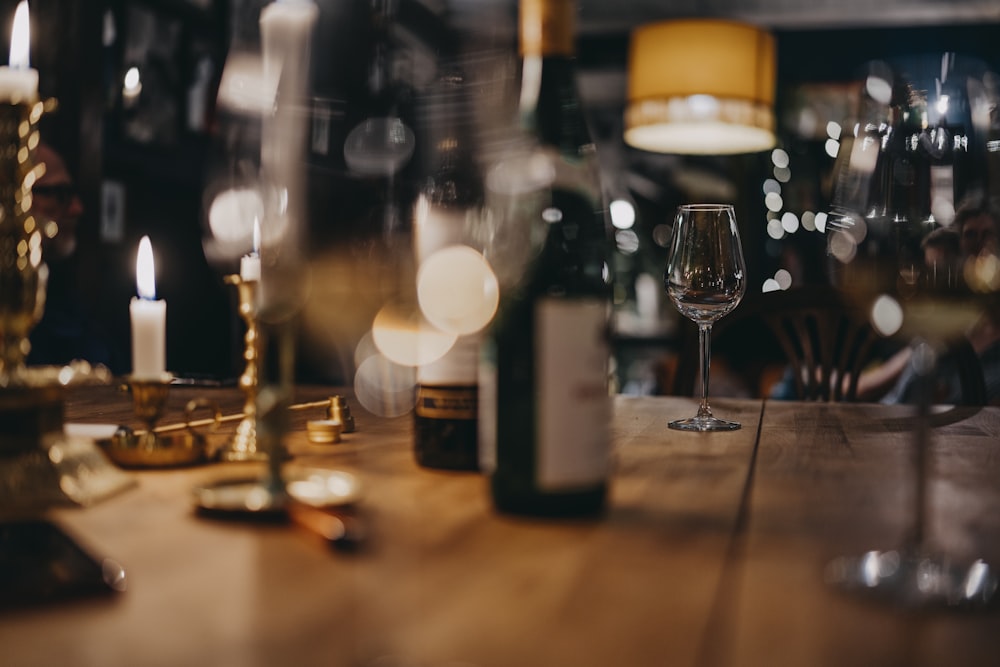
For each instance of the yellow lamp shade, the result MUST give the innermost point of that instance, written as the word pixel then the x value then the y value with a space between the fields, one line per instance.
pixel 702 87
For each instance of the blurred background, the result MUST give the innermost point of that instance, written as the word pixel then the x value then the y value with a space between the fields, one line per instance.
pixel 140 129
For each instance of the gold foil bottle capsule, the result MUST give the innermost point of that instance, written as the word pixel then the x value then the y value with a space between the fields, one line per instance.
pixel 323 431
pixel 340 412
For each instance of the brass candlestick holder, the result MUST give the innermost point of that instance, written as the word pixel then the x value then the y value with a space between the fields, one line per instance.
pixel 22 274
pixel 149 398
pixel 152 447
pixel 39 464
pixel 243 446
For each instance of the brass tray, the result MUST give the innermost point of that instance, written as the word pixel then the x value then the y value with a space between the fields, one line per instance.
pixel 175 450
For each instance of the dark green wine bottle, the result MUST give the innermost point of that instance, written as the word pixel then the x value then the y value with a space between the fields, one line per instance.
pixel 451 199
pixel 545 405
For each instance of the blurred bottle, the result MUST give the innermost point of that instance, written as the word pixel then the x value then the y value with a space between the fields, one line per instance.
pixel 544 401
pixel 446 212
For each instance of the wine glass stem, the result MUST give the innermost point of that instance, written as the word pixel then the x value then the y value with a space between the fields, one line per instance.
pixel 705 346
pixel 922 442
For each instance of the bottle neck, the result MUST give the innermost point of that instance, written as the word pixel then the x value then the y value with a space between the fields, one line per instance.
pixel 546 28
pixel 549 104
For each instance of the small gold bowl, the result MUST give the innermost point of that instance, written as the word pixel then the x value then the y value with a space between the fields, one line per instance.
pixel 324 431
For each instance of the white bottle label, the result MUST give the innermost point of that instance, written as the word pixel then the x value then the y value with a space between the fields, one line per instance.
pixel 572 401
pixel 457 366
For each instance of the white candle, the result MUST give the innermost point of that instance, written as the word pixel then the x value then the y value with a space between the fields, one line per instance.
pixel 18 81
pixel 250 264
pixel 149 319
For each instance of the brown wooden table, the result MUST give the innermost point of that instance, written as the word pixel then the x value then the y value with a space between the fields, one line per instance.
pixel 712 552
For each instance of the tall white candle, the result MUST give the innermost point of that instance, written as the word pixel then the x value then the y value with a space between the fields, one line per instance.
pixel 149 319
pixel 18 81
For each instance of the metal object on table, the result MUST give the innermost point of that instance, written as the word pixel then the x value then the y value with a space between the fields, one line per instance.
pixel 151 448
pixel 184 443
pixel 324 431
pixel 318 500
pixel 39 464
pixel 339 411
pixel 914 580
pixel 243 446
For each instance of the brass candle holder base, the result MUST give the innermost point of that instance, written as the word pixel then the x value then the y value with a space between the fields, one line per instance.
pixel 149 398
pixel 150 448
pixel 243 446
pixel 41 465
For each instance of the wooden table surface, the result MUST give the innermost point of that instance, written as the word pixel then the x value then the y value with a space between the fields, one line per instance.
pixel 712 552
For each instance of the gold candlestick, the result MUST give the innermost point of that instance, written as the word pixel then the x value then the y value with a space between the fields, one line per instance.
pixel 39 464
pixel 149 398
pixel 243 446
pixel 22 274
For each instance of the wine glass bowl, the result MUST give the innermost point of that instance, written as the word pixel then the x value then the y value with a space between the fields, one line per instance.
pixel 705 279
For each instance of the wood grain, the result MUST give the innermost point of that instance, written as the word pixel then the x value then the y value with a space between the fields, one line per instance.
pixel 711 553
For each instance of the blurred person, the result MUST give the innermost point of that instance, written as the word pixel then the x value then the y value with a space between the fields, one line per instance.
pixel 65 331
pixel 942 251
pixel 974 233
pixel 978 227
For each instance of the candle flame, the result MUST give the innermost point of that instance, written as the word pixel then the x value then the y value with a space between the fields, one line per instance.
pixel 20 38
pixel 145 273
pixel 256 235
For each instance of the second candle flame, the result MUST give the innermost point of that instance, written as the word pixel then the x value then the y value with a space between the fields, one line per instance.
pixel 145 273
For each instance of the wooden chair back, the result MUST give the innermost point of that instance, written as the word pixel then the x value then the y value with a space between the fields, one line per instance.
pixel 825 341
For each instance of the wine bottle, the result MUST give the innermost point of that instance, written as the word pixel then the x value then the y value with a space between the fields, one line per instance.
pixel 544 399
pixel 450 201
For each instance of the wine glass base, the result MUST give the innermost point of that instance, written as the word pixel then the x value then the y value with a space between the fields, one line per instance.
pixel 914 580
pixel 704 424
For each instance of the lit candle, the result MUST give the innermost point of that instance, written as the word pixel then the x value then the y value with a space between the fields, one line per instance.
pixel 18 81
pixel 250 264
pixel 149 319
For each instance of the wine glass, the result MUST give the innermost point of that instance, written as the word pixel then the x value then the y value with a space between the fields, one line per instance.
pixel 912 174
pixel 706 279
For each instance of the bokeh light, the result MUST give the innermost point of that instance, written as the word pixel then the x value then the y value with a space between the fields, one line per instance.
pixel 843 246
pixel 661 235
pixel 405 337
pixel 457 290
pixel 773 202
pixel 820 221
pixel 790 222
pixel 779 158
pixel 809 221
pixel 385 388
pixel 627 241
pixel 887 315
pixel 832 148
pixel 774 229
pixel 622 214
pixel 879 89
pixel 982 273
pixel 232 214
